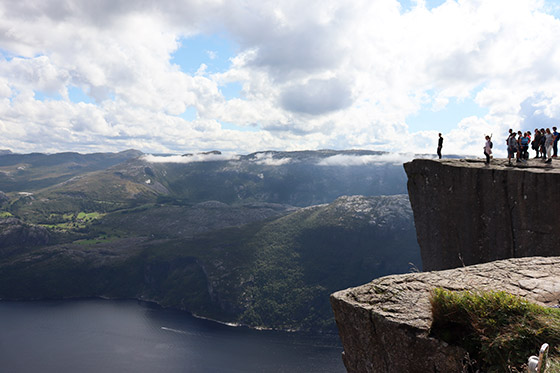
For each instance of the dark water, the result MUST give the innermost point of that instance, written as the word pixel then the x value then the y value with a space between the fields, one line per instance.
pixel 126 336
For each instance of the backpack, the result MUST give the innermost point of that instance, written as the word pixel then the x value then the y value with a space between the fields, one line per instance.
pixel 491 145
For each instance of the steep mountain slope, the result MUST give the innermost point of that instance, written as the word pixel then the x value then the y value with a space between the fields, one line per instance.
pixel 300 257
pixel 265 274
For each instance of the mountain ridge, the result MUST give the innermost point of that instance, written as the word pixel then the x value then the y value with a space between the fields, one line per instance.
pixel 259 240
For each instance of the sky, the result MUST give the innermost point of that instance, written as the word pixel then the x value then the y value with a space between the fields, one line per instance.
pixel 241 76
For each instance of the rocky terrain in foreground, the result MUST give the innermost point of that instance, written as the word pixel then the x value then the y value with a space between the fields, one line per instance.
pixel 465 213
pixel 385 324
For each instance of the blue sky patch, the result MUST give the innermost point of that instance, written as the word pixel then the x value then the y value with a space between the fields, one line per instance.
pixel 6 55
pixel 231 90
pixel 408 5
pixel 446 119
pixel 189 114
pixel 214 51
pixel 47 96
pixel 76 95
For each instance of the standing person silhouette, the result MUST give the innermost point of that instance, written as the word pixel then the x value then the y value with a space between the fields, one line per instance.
pixel 555 138
pixel 439 146
pixel 488 149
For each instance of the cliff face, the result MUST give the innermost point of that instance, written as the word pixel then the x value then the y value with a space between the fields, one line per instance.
pixel 467 213
pixel 384 325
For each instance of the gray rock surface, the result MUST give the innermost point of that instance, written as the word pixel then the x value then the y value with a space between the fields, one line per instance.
pixel 466 212
pixel 384 325
pixel 15 234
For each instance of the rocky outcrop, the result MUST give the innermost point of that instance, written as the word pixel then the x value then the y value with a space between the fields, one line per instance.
pixel 385 325
pixel 15 234
pixel 466 212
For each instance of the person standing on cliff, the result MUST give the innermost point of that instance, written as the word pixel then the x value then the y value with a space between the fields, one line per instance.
pixel 549 140
pixel 536 142
pixel 556 136
pixel 542 146
pixel 512 146
pixel 488 149
pixel 439 146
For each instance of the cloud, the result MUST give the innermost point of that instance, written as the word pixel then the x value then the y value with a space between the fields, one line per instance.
pixel 268 159
pixel 328 74
pixel 539 112
pixel 317 96
pixel 209 157
pixel 361 160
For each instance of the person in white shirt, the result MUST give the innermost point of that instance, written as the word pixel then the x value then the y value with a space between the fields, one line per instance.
pixel 549 140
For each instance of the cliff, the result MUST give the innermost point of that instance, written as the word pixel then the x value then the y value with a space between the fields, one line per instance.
pixel 466 212
pixel 385 325
pixel 495 224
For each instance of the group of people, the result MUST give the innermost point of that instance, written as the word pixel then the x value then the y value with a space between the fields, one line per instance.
pixel 545 144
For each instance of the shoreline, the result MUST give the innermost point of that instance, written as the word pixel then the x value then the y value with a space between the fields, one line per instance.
pixel 153 303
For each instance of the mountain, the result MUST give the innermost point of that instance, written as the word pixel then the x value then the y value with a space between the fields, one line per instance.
pixel 30 172
pixel 261 239
pixel 295 178
pixel 276 272
pixel 302 178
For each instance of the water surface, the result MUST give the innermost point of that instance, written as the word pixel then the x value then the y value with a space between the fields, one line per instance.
pixel 128 336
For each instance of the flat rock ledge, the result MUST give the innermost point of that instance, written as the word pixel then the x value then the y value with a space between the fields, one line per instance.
pixel 384 325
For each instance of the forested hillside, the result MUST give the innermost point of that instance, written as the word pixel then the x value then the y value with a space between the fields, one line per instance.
pixel 260 240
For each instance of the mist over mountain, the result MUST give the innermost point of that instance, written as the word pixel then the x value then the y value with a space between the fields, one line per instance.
pixel 297 178
pixel 259 239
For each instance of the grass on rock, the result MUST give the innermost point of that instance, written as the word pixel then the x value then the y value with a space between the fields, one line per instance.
pixel 499 330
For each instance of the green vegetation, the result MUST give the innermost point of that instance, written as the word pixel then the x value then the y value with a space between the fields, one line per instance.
pixel 499 330
pixel 275 272
pixel 220 239
pixel 69 221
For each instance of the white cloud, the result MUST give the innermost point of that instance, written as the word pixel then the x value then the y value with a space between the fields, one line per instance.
pixel 209 157
pixel 361 160
pixel 268 159
pixel 327 74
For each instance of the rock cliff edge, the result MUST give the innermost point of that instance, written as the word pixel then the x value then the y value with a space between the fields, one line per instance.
pixel 466 212
pixel 496 225
pixel 384 325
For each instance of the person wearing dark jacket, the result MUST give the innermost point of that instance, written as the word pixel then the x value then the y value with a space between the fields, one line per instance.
pixel 536 142
pixel 555 137
pixel 541 143
pixel 439 146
